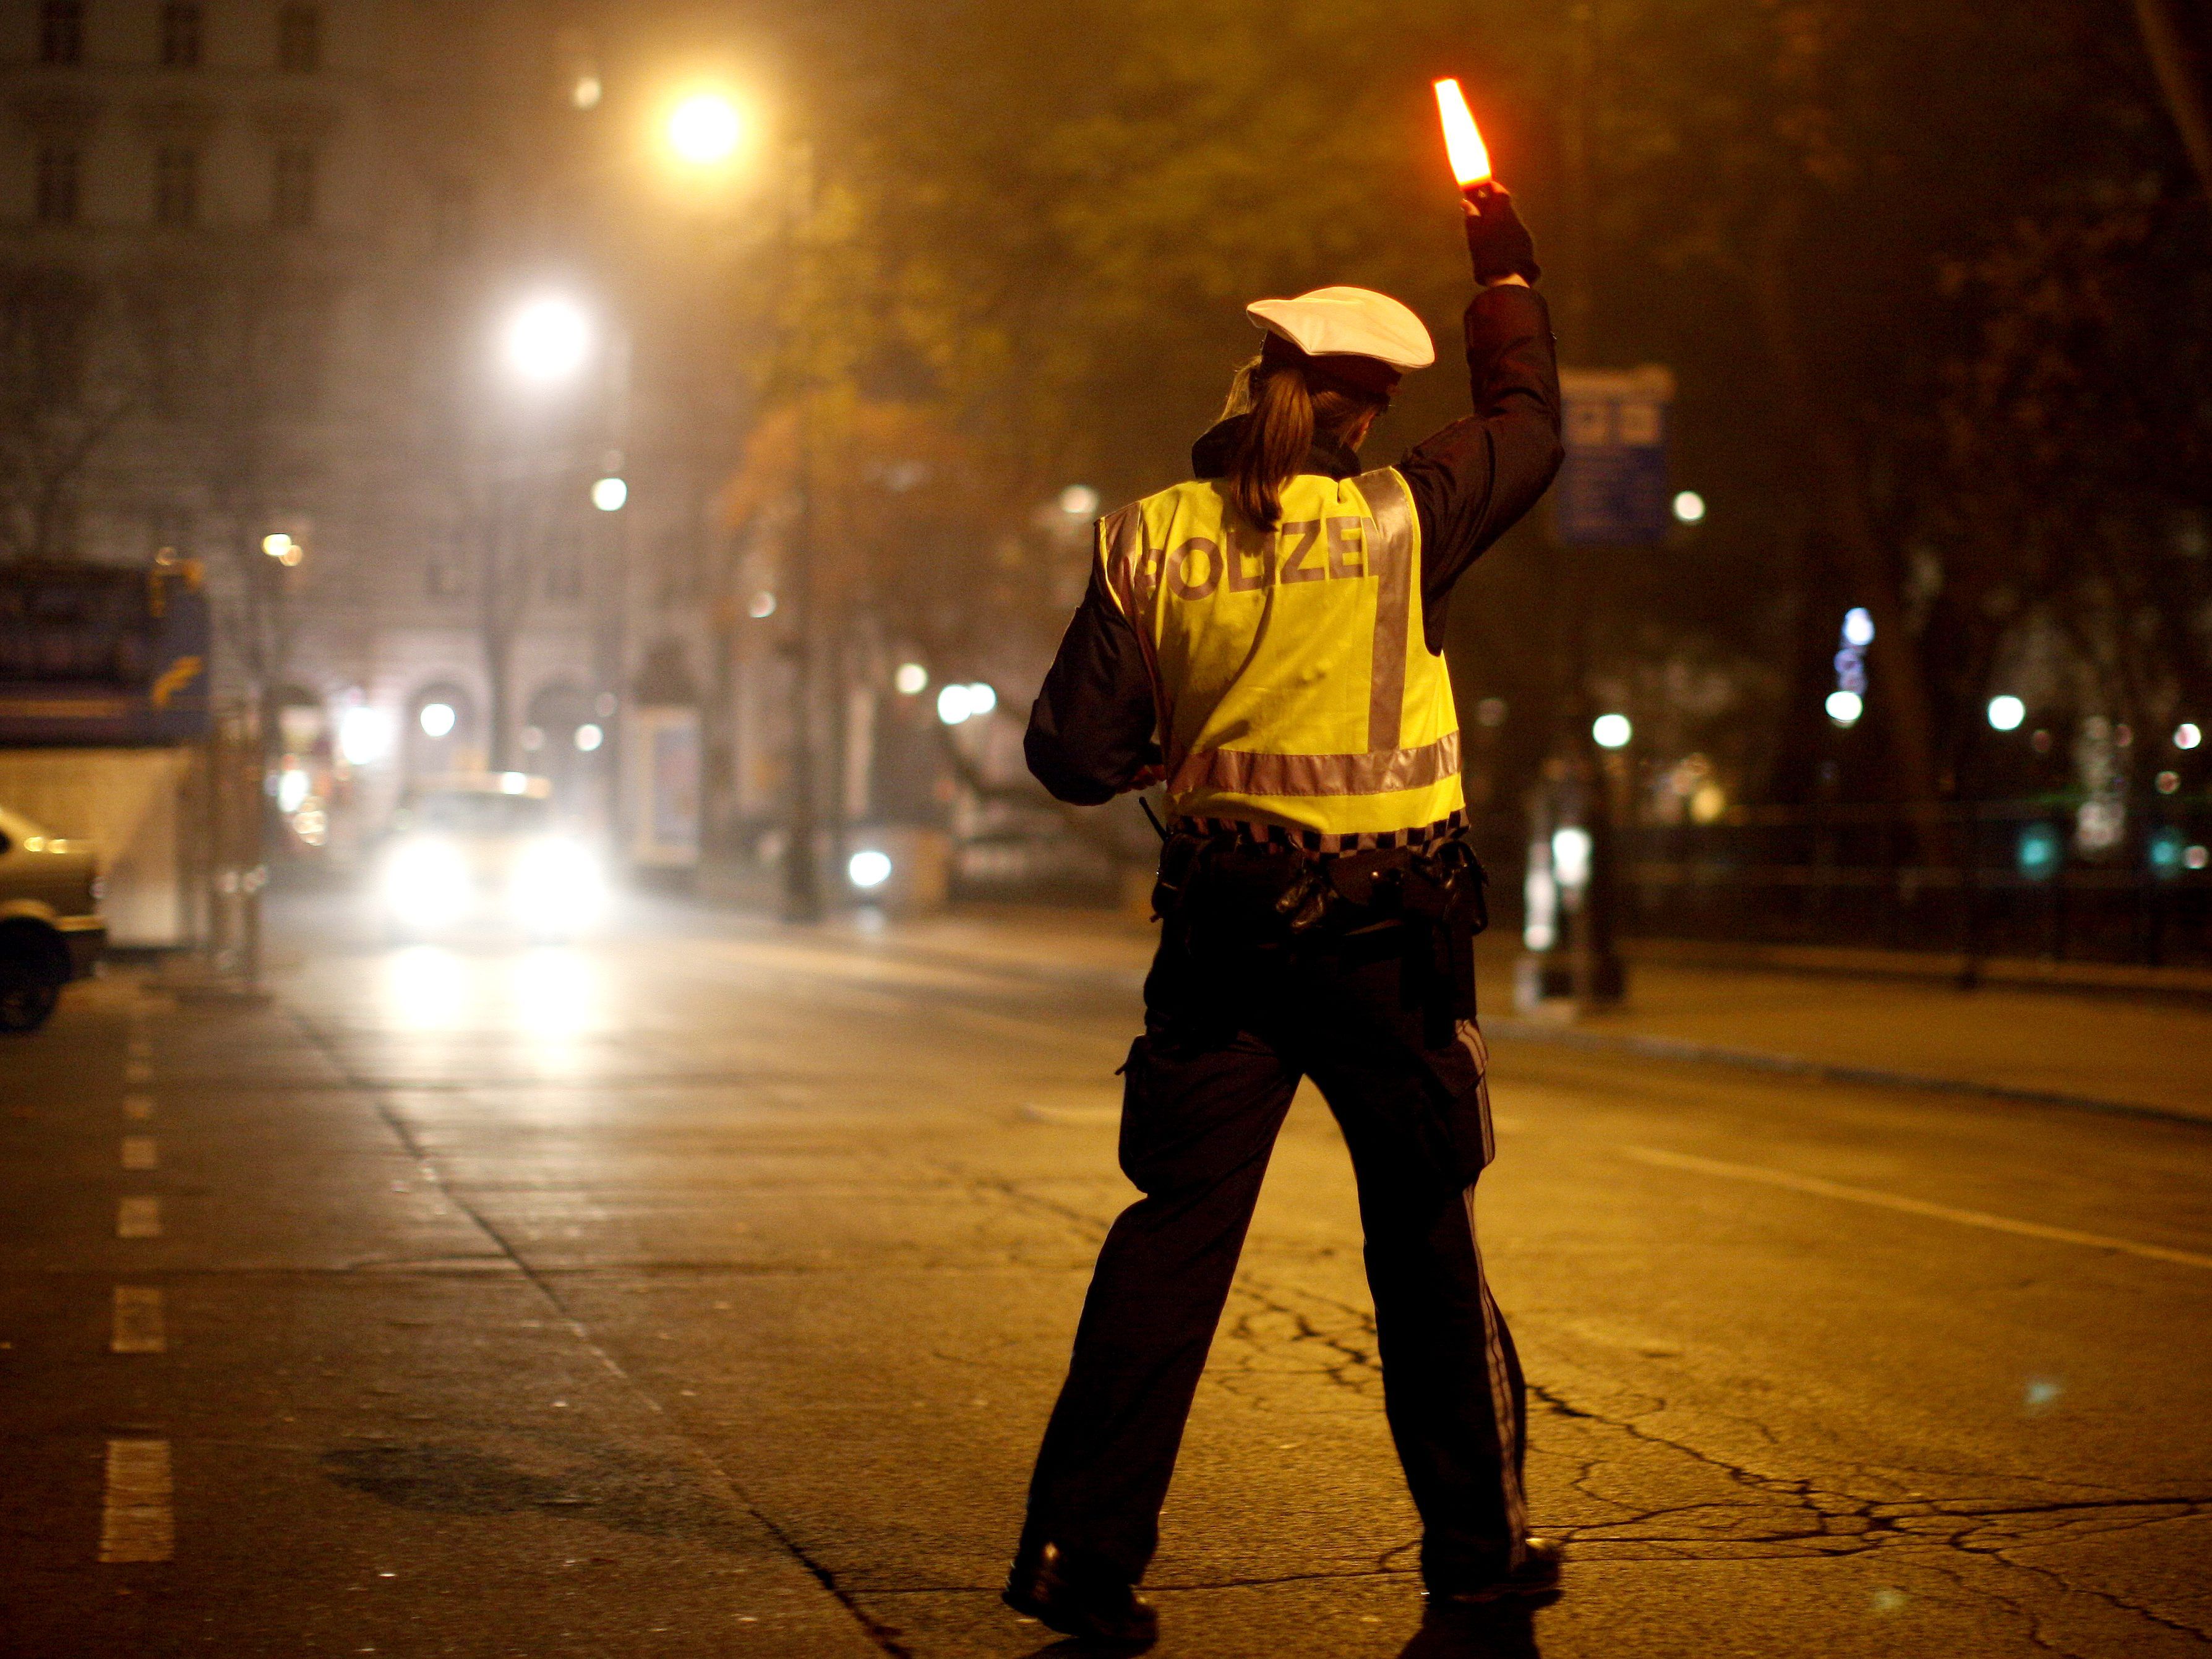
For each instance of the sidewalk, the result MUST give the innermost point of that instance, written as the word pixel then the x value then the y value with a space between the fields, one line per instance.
pixel 2114 1052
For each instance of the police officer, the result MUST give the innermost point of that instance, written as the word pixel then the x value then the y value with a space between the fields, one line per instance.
pixel 1265 640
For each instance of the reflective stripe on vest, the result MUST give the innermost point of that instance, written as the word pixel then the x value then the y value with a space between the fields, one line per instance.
pixel 1291 669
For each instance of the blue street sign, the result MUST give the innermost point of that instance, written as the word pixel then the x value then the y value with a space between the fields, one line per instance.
pixel 1612 488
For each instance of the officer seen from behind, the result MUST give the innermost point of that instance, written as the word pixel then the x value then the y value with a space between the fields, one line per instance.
pixel 1265 640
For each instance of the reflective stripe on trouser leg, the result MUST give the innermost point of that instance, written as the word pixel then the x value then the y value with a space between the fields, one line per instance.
pixel 1505 1407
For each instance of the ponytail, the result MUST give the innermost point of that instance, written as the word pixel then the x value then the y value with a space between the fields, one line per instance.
pixel 1284 408
pixel 1274 444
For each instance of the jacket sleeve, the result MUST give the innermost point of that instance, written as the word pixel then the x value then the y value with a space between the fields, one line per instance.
pixel 1091 727
pixel 1474 480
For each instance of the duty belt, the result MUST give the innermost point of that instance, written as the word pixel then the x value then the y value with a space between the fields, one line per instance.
pixel 1424 904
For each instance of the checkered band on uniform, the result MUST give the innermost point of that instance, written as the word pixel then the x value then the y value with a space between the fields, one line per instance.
pixel 1313 841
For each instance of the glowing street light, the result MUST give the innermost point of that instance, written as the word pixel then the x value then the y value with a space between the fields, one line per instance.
pixel 1689 507
pixel 704 130
pixel 546 340
pixel 1845 708
pixel 1612 730
pixel 2007 713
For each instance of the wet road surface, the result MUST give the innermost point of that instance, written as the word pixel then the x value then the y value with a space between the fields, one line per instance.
pixel 702 1290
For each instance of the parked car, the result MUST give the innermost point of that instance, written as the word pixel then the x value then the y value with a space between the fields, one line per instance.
pixel 470 854
pixel 50 929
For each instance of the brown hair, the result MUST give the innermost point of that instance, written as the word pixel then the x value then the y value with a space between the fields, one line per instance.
pixel 1288 402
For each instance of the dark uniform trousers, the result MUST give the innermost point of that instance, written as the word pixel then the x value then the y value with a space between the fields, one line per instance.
pixel 1228 1037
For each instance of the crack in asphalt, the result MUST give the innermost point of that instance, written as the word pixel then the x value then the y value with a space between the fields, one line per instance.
pixel 1835 1525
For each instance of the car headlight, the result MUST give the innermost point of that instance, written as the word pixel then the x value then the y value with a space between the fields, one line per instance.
pixel 426 881
pixel 556 881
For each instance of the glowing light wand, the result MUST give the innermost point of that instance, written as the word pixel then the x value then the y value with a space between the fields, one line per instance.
pixel 1470 157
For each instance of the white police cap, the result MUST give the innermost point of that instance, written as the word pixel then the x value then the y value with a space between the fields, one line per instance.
pixel 1348 322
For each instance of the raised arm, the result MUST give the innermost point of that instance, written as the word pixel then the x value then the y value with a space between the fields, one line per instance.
pixel 1474 480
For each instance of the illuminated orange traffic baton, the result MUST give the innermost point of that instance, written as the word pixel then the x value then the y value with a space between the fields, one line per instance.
pixel 1470 158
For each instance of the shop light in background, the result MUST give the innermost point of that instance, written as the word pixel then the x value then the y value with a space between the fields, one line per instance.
pixel 437 719
pixel 1846 704
pixel 364 736
pixel 2006 713
pixel 868 869
pixel 2041 850
pixel 1078 501
pixel 958 704
pixel 2187 735
pixel 1689 507
pixel 1570 858
pixel 589 738
pixel 1612 730
pixel 910 679
pixel 610 495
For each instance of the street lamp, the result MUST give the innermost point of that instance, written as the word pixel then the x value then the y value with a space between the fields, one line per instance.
pixel 704 130
pixel 546 340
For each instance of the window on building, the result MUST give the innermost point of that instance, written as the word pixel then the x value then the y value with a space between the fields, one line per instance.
pixel 57 183
pixel 300 39
pixel 293 202
pixel 61 32
pixel 176 186
pixel 180 35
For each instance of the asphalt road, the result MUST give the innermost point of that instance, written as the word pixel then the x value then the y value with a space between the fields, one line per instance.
pixel 702 1290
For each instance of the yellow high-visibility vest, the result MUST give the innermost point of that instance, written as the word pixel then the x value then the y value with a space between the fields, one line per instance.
pixel 1290 668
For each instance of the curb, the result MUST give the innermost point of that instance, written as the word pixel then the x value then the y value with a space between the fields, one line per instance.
pixel 1750 1060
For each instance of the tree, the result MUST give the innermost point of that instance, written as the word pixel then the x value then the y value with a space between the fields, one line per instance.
pixel 59 403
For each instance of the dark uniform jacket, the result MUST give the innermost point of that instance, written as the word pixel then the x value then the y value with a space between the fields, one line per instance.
pixel 1092 728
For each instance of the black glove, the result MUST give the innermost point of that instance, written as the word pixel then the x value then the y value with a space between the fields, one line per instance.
pixel 1497 240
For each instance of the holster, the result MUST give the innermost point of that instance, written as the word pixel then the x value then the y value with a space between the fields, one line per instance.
pixel 1429 902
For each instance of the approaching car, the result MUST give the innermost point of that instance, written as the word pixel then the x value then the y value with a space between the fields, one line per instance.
pixel 476 852
pixel 50 929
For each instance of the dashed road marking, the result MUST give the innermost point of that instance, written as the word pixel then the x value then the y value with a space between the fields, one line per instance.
pixel 138 1071
pixel 1996 1223
pixel 141 1152
pixel 138 1218
pixel 136 1522
pixel 140 1327
pixel 137 1107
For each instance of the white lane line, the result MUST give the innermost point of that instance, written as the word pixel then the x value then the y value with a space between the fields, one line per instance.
pixel 135 1524
pixel 141 1152
pixel 138 1071
pixel 140 1327
pixel 1995 1224
pixel 137 1107
pixel 138 1218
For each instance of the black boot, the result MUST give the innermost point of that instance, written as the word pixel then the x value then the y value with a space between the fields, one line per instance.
pixel 1537 1575
pixel 1081 1599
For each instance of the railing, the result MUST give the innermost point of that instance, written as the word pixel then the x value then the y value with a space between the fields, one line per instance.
pixel 1992 878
